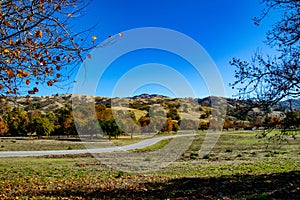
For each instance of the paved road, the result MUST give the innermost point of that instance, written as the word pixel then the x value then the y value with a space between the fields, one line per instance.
pixel 138 145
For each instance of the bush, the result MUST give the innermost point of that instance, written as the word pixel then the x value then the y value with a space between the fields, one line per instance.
pixel 194 156
pixel 207 156
pixel 228 150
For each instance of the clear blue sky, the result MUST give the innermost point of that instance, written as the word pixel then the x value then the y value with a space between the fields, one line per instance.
pixel 223 27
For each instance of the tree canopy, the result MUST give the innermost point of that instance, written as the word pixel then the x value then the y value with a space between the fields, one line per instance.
pixel 38 45
pixel 272 78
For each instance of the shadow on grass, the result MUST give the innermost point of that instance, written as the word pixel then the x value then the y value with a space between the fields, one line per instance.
pixel 268 186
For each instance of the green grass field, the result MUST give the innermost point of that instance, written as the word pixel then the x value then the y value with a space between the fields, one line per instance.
pixel 239 167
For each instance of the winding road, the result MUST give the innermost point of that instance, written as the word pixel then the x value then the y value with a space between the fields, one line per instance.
pixel 138 145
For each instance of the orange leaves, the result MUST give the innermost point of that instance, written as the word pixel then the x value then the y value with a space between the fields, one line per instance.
pixel 49 83
pixel 16 53
pixel 10 42
pixel 7 23
pixel 27 82
pixel 9 54
pixel 1 86
pixel 10 73
pixel 35 47
pixel 35 72
pixel 41 7
pixel 38 33
pixel 21 73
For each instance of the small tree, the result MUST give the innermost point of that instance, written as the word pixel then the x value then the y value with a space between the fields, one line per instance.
pixel 17 121
pixel 64 122
pixel 40 124
pixel 110 128
pixel 169 125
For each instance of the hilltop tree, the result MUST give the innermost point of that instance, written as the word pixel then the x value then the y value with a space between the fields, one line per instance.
pixel 269 79
pixel 37 44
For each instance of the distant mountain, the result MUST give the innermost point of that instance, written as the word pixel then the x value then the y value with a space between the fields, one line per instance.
pixel 212 100
pixel 294 103
pixel 49 103
pixel 148 96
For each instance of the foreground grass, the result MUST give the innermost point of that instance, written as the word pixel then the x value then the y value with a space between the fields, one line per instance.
pixel 267 173
pixel 86 177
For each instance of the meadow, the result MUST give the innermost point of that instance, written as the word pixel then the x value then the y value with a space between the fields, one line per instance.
pixel 240 166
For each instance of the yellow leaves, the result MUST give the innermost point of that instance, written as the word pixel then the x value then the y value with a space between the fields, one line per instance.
pixel 94 37
pixel 38 33
pixel 119 34
pixel 6 51
pixel 70 15
pixel 16 53
pixel 11 53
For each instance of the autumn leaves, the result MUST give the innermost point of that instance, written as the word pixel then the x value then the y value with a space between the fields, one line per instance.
pixel 37 44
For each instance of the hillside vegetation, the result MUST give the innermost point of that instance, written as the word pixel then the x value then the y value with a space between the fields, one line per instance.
pixel 54 115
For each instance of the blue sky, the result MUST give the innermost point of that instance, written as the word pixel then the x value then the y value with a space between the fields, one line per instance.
pixel 222 27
